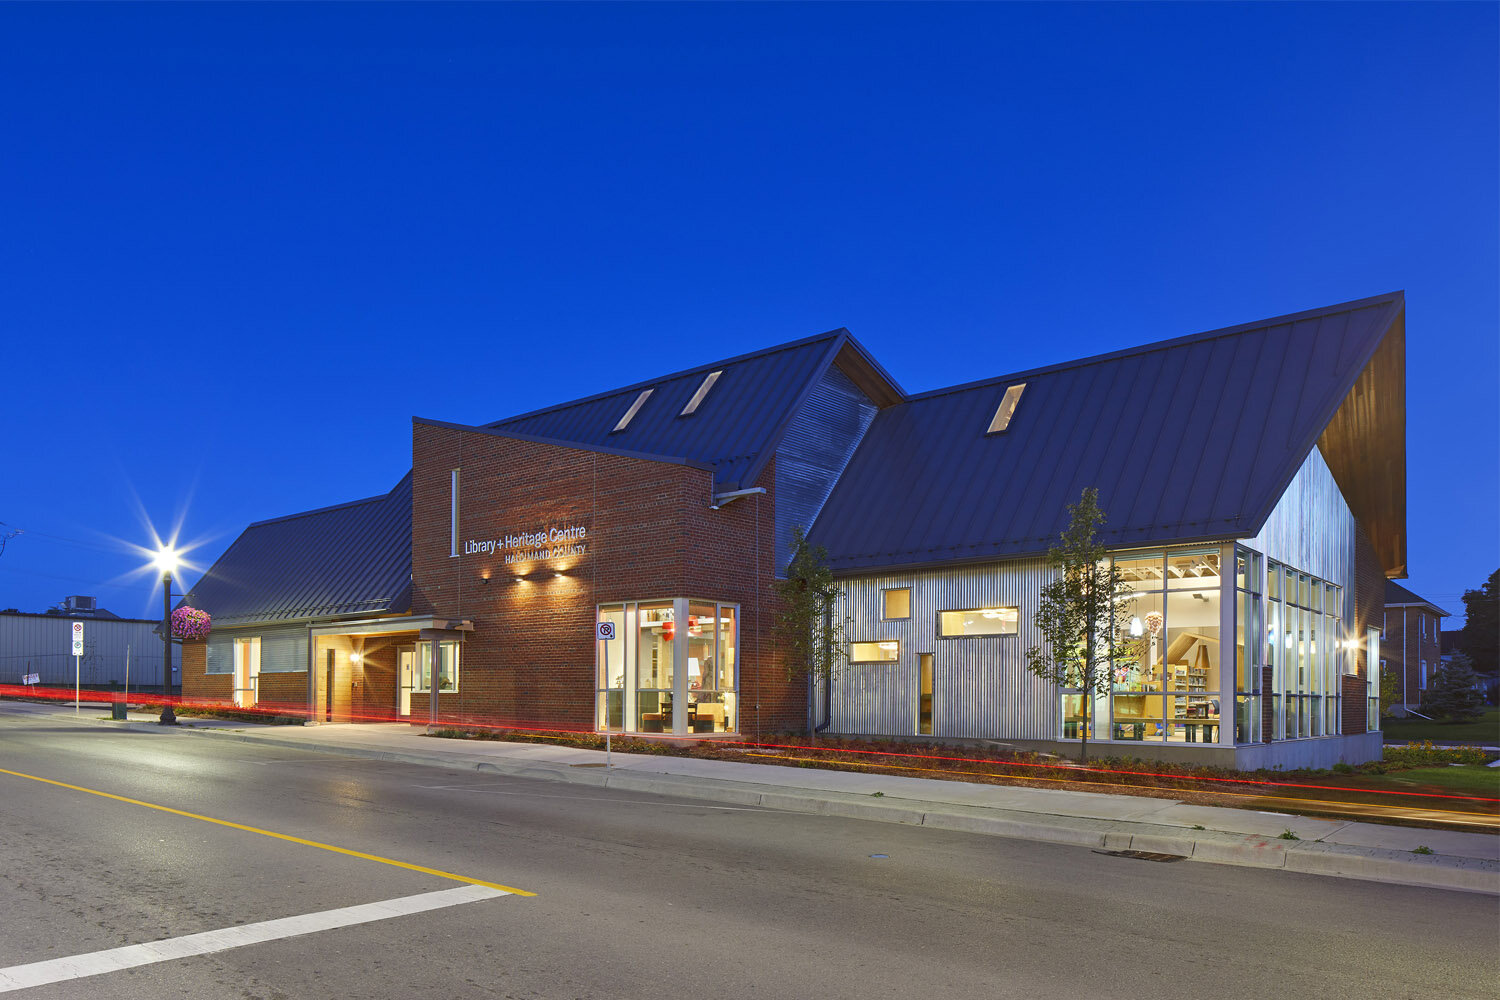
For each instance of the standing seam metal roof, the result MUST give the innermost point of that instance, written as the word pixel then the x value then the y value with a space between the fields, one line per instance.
pixel 350 559
pixel 1186 439
pixel 734 430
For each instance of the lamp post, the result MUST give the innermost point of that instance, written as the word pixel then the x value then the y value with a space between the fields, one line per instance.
pixel 166 561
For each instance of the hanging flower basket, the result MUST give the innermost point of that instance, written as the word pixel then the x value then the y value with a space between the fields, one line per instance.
pixel 190 623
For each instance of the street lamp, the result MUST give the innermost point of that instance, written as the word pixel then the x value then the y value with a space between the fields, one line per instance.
pixel 166 561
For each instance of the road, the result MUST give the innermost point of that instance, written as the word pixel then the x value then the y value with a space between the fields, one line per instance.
pixel 634 895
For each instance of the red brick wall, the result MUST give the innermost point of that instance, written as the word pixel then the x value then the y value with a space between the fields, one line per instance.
pixel 650 534
pixel 196 684
pixel 1353 707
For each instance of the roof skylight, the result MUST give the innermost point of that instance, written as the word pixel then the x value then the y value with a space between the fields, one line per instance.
pixel 635 408
pixel 708 383
pixel 1007 408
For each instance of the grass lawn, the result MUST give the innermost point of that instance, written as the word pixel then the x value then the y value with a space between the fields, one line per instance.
pixel 1484 729
pixel 1464 779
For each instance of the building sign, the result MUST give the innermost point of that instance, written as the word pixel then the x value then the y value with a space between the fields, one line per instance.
pixel 532 546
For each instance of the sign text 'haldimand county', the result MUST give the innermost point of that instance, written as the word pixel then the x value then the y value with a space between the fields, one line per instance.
pixel 531 546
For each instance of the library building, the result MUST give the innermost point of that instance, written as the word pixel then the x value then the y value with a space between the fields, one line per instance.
pixel 609 564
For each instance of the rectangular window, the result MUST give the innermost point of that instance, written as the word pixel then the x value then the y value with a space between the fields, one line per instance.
pixel 924 694
pixel 895 603
pixel 1422 676
pixel 635 408
pixel 447 671
pixel 692 404
pixel 1006 409
pixel 453 516
pixel 978 621
pixel 874 652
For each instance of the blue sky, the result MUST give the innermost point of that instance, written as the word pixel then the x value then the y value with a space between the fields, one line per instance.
pixel 244 245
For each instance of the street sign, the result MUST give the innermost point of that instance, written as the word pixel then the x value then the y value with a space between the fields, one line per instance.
pixel 604 631
pixel 78 638
pixel 32 679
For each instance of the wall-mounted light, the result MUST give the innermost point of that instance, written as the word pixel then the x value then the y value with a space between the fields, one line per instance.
pixel 353 657
pixel 483 580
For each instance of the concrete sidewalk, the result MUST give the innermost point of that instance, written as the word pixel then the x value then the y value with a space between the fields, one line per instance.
pixel 1103 821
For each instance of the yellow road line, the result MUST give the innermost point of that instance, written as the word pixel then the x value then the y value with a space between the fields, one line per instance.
pixel 1356 808
pixel 279 836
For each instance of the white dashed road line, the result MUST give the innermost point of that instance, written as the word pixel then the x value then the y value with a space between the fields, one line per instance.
pixel 58 970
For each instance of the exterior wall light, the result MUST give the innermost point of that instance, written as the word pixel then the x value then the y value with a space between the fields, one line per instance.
pixel 353 657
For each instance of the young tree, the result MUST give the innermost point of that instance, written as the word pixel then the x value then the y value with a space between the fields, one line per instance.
pixel 1452 694
pixel 1082 612
pixel 808 625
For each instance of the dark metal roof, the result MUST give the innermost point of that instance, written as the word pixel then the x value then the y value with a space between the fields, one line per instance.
pixel 735 429
pixel 351 559
pixel 1397 596
pixel 1186 439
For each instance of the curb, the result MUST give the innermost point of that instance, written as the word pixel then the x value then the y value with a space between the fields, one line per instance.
pixel 1437 871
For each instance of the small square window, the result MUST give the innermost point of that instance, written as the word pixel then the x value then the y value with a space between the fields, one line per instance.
pixel 895 603
pixel 874 652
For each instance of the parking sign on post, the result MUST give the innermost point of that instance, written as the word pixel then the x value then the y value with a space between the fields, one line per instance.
pixel 78 638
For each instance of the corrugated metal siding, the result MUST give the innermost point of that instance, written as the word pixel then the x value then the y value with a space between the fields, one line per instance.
pixel 1188 439
pixel 349 559
pixel 980 685
pixel 737 420
pixel 816 447
pixel 1311 528
pixel 42 644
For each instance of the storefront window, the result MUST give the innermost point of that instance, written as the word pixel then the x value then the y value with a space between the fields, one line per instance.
pixel 667 667
pixel 656 636
pixel 1167 683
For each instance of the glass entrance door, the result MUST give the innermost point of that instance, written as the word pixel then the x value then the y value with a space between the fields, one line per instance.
pixel 406 669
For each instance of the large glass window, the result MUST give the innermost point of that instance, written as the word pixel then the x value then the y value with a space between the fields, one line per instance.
pixel 1305 648
pixel 1248 647
pixel 978 621
pixel 656 635
pixel 669 666
pixel 1168 684
pixel 895 603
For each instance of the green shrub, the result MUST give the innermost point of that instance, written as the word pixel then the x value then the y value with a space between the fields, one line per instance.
pixel 1424 754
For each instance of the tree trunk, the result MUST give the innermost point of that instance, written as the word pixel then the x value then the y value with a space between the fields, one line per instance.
pixel 1088 691
pixel 812 719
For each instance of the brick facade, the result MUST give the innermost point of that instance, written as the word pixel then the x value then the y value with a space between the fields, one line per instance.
pixel 650 534
pixel 1412 636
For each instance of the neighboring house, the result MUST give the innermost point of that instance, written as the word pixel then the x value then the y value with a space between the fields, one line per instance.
pixel 41 644
pixel 1411 644
pixel 610 563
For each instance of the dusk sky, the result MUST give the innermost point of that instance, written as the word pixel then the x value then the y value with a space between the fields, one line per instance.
pixel 244 245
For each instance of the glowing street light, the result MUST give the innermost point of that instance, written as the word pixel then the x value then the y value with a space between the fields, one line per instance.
pixel 166 560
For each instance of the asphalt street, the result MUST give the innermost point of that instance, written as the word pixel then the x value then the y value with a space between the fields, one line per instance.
pixel 634 895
